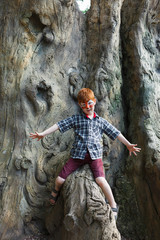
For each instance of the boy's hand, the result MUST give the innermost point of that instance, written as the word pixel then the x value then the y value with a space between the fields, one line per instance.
pixel 133 148
pixel 37 135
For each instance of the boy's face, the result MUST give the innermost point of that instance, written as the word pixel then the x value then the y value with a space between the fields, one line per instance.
pixel 88 107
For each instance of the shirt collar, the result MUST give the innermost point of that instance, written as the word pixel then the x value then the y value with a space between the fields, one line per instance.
pixel 94 116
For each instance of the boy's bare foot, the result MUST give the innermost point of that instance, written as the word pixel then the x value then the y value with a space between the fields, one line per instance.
pixel 54 196
pixel 115 212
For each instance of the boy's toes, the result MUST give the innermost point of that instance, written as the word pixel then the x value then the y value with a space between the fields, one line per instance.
pixel 52 202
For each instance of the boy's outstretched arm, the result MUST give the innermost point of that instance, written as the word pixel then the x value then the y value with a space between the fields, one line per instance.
pixel 131 147
pixel 43 134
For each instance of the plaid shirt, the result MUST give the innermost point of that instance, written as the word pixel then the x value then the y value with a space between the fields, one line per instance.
pixel 88 134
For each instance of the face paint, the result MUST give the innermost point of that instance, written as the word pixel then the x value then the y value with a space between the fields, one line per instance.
pixel 88 104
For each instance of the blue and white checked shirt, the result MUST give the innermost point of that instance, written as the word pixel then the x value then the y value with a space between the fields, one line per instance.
pixel 88 134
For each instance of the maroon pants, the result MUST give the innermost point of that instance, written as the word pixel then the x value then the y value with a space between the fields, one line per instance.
pixel 72 164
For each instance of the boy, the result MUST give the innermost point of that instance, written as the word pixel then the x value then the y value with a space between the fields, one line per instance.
pixel 88 128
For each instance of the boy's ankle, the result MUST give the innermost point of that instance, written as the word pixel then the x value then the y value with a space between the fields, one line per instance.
pixel 114 205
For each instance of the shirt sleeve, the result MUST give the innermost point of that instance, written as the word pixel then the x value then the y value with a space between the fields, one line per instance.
pixel 66 124
pixel 110 130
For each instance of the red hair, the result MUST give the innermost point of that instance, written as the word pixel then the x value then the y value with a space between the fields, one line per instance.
pixel 85 94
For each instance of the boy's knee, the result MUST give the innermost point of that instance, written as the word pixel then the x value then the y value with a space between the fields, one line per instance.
pixel 60 180
pixel 100 181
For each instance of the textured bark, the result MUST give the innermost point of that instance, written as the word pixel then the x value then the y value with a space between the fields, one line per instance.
pixel 49 51
pixel 141 56
pixel 83 209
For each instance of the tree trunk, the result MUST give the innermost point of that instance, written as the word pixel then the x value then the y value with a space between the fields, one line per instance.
pixel 141 57
pixel 49 51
